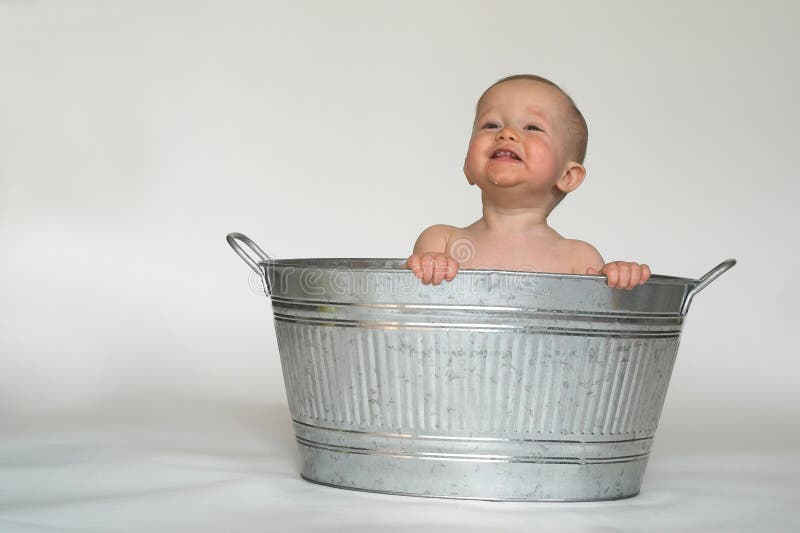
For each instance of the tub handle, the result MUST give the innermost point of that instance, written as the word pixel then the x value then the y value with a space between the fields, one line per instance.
pixel 234 239
pixel 703 282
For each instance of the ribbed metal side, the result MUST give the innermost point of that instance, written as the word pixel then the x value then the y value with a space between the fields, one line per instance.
pixel 519 414
pixel 459 383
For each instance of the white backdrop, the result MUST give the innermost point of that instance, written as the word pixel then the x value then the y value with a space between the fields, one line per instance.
pixel 135 135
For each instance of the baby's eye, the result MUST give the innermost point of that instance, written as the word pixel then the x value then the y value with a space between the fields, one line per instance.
pixel 491 126
pixel 533 127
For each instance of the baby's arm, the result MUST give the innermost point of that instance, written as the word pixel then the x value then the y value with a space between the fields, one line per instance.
pixel 430 261
pixel 620 274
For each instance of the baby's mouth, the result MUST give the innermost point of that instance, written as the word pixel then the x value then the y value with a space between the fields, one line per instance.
pixel 505 154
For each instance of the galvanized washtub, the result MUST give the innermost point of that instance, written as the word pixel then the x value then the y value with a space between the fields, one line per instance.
pixel 498 385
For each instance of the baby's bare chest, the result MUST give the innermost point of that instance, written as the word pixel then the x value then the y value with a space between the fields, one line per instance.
pixel 511 253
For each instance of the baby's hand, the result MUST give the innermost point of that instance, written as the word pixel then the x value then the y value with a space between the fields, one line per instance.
pixel 622 274
pixel 433 267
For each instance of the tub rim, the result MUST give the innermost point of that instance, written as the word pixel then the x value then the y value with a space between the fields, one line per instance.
pixel 262 263
pixel 324 263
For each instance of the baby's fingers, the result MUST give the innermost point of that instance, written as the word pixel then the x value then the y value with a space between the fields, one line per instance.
pixel 611 271
pixel 415 265
pixel 446 268
pixel 452 269
pixel 624 275
pixel 636 275
pixel 631 274
pixel 428 266
pixel 440 270
pixel 645 274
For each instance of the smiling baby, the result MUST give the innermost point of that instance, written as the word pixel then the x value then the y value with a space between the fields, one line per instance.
pixel 525 154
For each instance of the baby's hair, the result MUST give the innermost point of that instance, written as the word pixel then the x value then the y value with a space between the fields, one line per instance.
pixel 578 131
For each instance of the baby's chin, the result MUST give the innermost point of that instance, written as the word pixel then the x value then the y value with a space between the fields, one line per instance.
pixel 504 181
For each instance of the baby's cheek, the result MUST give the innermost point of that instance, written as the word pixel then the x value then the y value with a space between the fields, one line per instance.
pixel 471 168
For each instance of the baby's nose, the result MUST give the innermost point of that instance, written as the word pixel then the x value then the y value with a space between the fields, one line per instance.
pixel 507 134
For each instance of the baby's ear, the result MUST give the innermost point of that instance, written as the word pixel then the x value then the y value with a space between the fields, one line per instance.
pixel 572 177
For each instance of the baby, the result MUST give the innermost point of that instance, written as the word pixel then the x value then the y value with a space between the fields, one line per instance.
pixel 525 154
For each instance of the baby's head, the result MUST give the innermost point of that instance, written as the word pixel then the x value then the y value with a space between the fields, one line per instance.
pixel 528 136
pixel 578 133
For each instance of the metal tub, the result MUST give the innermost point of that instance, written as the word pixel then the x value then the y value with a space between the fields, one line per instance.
pixel 498 385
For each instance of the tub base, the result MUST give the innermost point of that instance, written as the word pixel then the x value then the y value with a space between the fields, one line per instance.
pixel 482 479
pixel 314 481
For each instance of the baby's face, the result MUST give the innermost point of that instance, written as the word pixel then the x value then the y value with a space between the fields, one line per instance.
pixel 519 138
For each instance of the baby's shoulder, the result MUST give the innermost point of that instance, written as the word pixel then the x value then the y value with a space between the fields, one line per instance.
pixel 438 232
pixel 439 229
pixel 434 239
pixel 580 246
pixel 583 254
